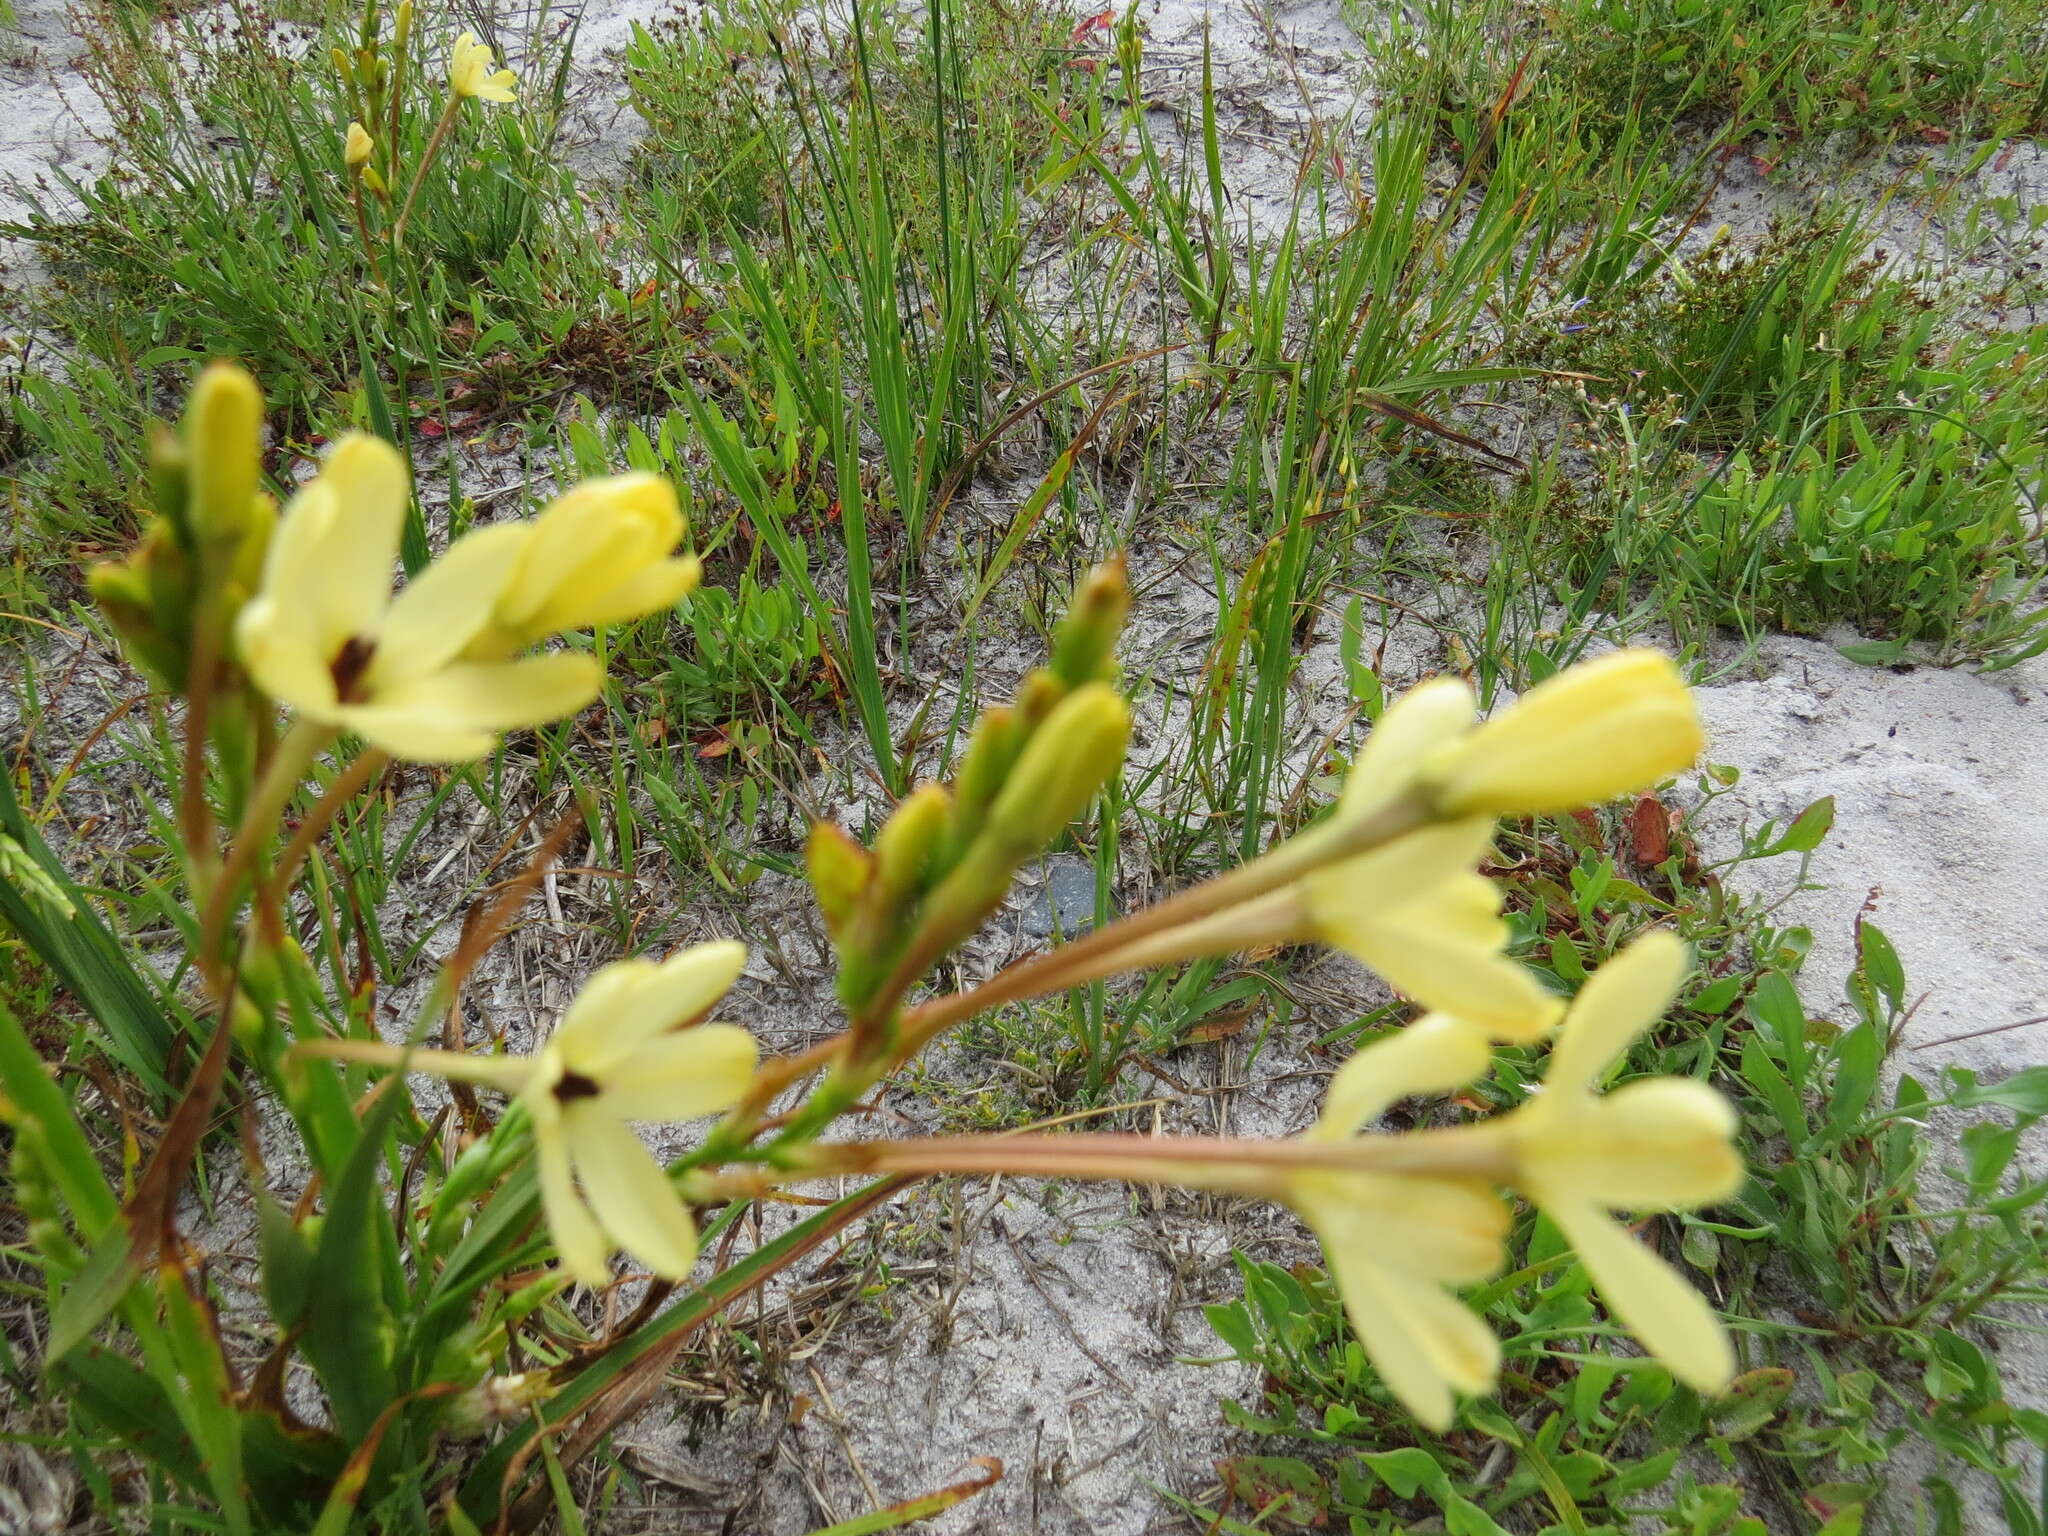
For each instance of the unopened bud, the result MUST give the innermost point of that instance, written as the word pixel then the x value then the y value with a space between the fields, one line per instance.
pixel 357 147
pixel 908 841
pixel 1040 691
pixel 1084 644
pixel 1068 759
pixel 224 448
pixel 839 869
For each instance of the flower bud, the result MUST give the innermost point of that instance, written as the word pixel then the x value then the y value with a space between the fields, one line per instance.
pixel 1594 731
pixel 840 870
pixel 223 431
pixel 905 847
pixel 357 148
pixel 1084 643
pixel 1067 760
pixel 991 753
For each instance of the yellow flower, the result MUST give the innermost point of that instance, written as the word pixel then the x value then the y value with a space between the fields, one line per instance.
pixel 599 554
pixel 1596 730
pixel 470 73
pixel 621 1053
pixel 1658 1144
pixel 356 148
pixel 324 636
pixel 1395 1242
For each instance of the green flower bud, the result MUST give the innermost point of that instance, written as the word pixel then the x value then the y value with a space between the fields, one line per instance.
pixel 840 870
pixel 224 450
pixel 905 848
pixel 1084 644
pixel 1067 760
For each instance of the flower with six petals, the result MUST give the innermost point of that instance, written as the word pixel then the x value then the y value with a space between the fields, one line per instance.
pixel 471 76
pixel 324 635
pixel 626 1050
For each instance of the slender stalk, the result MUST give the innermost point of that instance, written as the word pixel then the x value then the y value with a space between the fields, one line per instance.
pixel 1483 1151
pixel 344 789
pixel 355 197
pixel 302 743
pixel 443 126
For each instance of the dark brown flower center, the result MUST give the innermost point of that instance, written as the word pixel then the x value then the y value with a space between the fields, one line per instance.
pixel 574 1085
pixel 348 667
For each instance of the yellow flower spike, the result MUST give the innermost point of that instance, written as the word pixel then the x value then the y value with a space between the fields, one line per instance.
pixel 1596 730
pixel 601 553
pixel 1659 1144
pixel 357 147
pixel 621 1053
pixel 471 76
pixel 324 636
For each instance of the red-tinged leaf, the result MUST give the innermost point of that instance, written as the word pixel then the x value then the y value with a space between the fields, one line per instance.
pixel 1650 827
pixel 713 744
pixel 430 427
pixel 1089 25
pixel 1221 1027
pixel 1590 825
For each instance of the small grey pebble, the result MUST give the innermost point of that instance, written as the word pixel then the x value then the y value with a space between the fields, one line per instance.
pixel 1065 898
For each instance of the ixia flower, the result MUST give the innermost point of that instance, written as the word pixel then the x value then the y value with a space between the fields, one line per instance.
pixel 601 553
pixel 470 74
pixel 324 635
pixel 621 1053
pixel 1657 1144
pixel 357 146
pixel 1396 1242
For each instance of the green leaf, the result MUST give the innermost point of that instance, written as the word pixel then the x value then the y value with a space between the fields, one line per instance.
pixel 1806 831
pixel 87 960
pixel 349 1331
pixel 2025 1091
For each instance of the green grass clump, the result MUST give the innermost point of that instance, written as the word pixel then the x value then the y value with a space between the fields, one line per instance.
pixel 1782 69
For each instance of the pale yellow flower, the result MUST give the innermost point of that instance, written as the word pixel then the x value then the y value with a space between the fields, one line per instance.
pixel 620 1054
pixel 1659 1144
pixel 470 74
pixel 601 553
pixel 1596 730
pixel 357 147
pixel 324 636
pixel 1395 1242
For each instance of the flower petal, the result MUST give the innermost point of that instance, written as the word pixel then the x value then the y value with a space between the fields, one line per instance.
pixel 1593 731
pixel 1401 870
pixel 1433 1055
pixel 1657 1144
pixel 1449 1230
pixel 629 1002
pixel 1421 1341
pixel 1444 950
pixel 1428 716
pixel 683 1075
pixel 1624 997
pixel 633 1199
pixel 660 586
pixel 578 1239
pixel 458 713
pixel 282 655
pixel 442 608
pixel 1649 1297
pixel 337 542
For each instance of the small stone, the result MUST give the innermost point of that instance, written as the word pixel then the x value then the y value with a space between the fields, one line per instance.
pixel 1064 901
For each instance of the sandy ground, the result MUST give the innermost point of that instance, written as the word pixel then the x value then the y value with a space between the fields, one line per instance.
pixel 1060 1331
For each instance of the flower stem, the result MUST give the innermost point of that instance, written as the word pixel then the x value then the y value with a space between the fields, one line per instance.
pixel 442 127
pixel 301 744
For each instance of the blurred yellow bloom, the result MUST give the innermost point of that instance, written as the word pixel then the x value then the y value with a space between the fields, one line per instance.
pixel 601 553
pixel 1659 1144
pixel 470 74
pixel 356 148
pixel 1395 1242
pixel 1596 730
pixel 324 636
pixel 621 1053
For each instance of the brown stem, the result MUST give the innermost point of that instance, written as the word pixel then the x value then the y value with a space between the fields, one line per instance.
pixel 345 788
pixel 355 197
pixel 442 127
